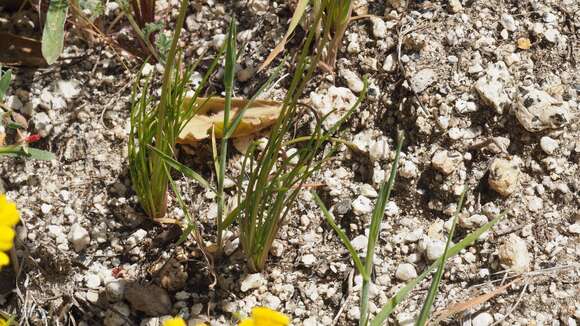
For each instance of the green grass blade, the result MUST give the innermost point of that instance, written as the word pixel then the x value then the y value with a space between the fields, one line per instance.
pixel 377 218
pixel 433 289
pixel 379 210
pixel 229 74
pixel 350 112
pixel 5 79
pixel 190 228
pixel 182 168
pixel 387 309
pixel 240 114
pixel 343 237
pixel 231 217
pixel 53 33
pixel 190 224
pixel 296 17
pixel 229 71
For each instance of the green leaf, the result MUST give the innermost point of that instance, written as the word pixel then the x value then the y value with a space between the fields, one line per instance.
pixel 53 33
pixel 231 217
pixel 181 168
pixel 343 237
pixel 296 17
pixel 5 79
pixel 29 152
pixel 434 288
pixel 39 154
pixel 402 294
pixel 375 227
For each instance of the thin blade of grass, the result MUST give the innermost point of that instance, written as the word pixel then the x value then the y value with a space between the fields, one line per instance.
pixel 240 114
pixel 182 168
pixel 230 62
pixel 231 217
pixel 402 294
pixel 5 79
pixel 185 234
pixel 377 218
pixel 229 72
pixel 343 237
pixel 296 17
pixel 434 288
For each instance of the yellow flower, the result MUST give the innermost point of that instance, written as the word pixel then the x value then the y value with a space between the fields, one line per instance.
pixel 9 217
pixel 3 322
pixel 247 322
pixel 8 213
pixel 262 316
pixel 177 321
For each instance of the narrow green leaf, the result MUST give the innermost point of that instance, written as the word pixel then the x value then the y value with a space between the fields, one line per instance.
pixel 33 153
pixel 343 237
pixel 39 154
pixel 402 294
pixel 231 217
pixel 53 33
pixel 229 74
pixel 182 168
pixel 240 114
pixel 5 79
pixel 374 229
pixel 433 289
pixel 296 17
pixel 190 227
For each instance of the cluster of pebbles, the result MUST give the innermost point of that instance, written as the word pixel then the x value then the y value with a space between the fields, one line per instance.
pixel 486 93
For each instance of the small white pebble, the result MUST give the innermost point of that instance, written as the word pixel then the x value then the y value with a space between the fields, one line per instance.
pixel 308 260
pixel 406 272
pixel 435 249
pixel 79 237
pixel 362 205
pixel 548 145
pixel 483 319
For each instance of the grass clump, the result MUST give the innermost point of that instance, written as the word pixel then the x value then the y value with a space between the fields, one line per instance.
pixel 275 179
pixel 155 126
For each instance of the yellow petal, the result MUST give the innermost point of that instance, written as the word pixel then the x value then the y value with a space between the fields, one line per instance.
pixel 264 316
pixel 5 246
pixel 4 260
pixel 8 212
pixel 246 322
pixel 177 321
pixel 7 235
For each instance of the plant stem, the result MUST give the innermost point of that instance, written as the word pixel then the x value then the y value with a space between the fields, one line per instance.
pixel 364 302
pixel 145 42
pixel 229 90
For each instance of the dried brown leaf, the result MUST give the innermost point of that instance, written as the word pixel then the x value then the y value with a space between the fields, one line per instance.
pixel 467 304
pixel 259 115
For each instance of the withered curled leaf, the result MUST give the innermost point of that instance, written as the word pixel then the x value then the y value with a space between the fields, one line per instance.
pixel 259 115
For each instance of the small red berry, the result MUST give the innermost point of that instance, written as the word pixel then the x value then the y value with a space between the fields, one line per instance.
pixel 32 138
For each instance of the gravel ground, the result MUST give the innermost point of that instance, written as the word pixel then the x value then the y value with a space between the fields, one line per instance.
pixel 486 92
